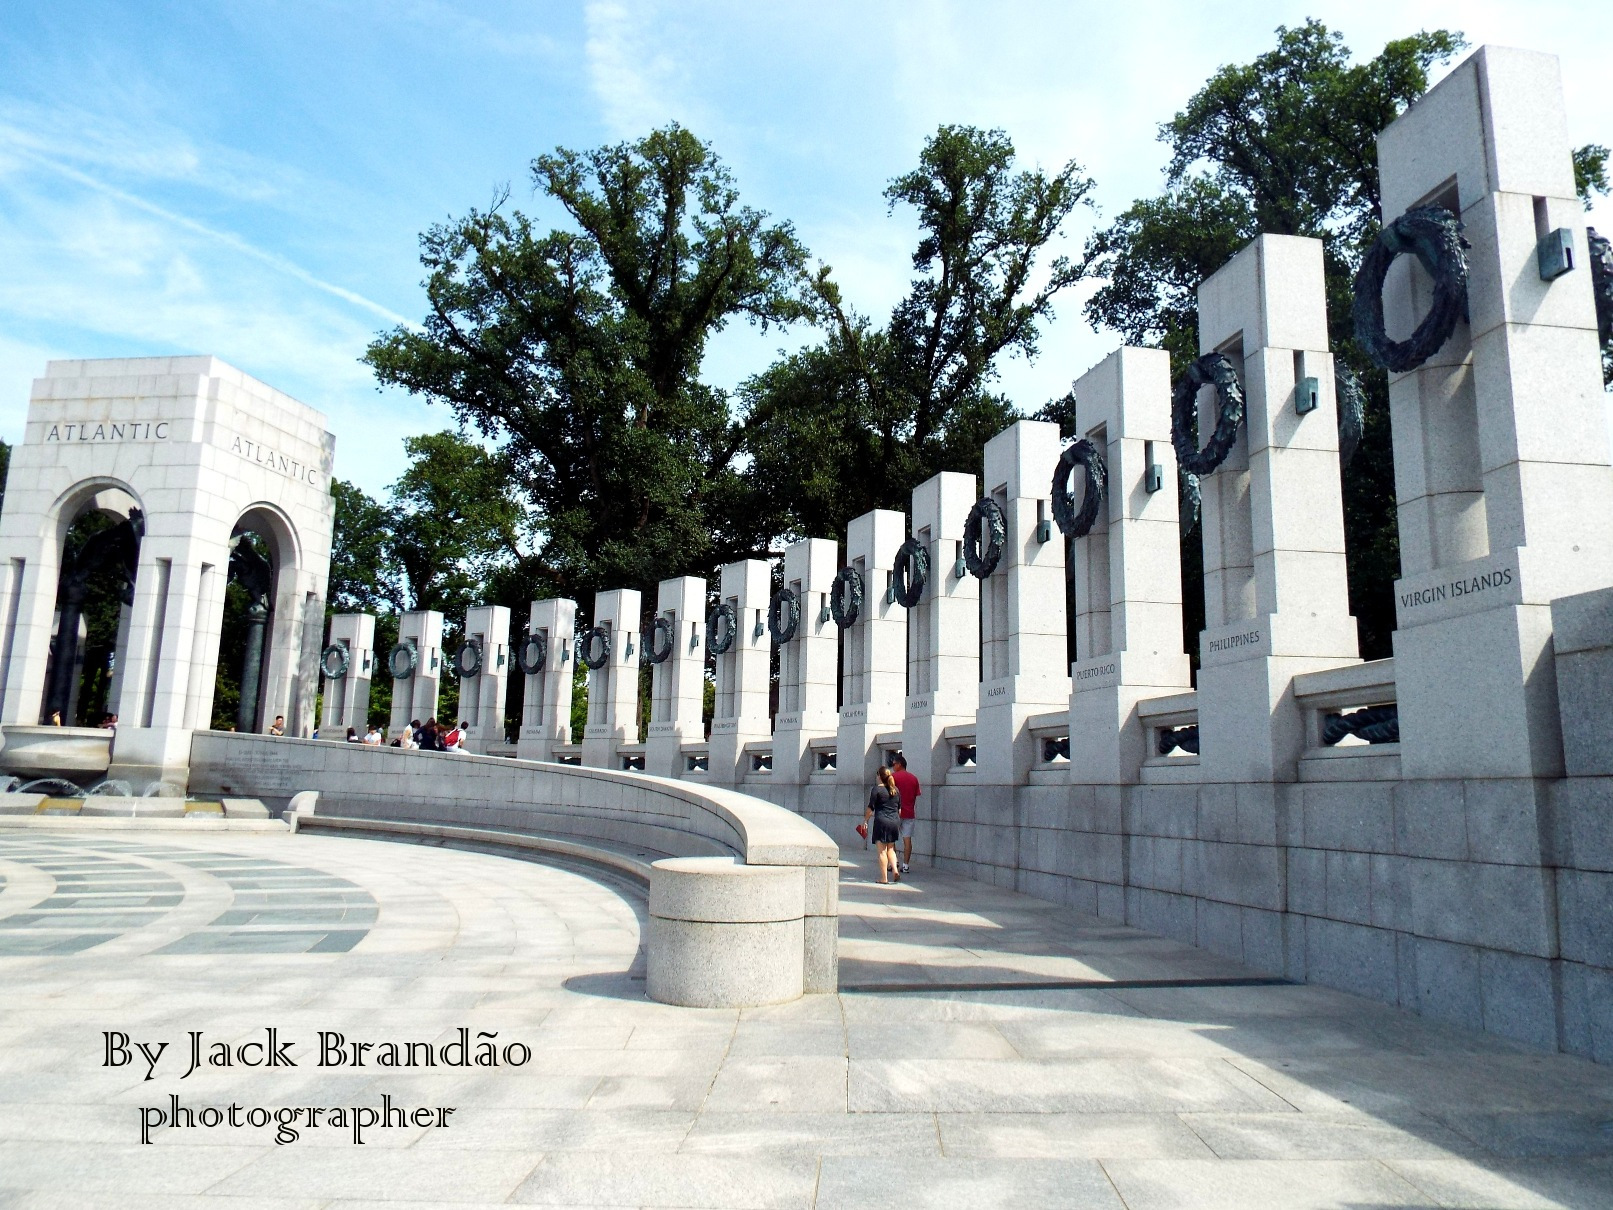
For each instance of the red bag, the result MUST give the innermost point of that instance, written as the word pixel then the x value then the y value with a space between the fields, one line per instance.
pixel 862 830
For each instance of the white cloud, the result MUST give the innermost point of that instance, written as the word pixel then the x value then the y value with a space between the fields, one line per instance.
pixel 228 239
pixel 143 151
pixel 636 75
pixel 95 270
pixel 480 30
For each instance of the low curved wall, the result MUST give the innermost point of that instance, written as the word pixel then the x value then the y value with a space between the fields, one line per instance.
pixel 657 816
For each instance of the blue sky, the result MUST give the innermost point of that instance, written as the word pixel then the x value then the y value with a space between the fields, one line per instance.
pixel 249 178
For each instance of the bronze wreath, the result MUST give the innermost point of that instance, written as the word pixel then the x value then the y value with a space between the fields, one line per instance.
pixel 783 615
pixel 1073 523
pixel 654 654
pixel 468 659
pixel 846 597
pixel 910 574
pixel 532 664
pixel 337 668
pixel 585 648
pixel 1434 236
pixel 985 534
pixel 410 661
pixel 723 622
pixel 1211 369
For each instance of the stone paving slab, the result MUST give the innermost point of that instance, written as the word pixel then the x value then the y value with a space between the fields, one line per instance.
pixel 977 1091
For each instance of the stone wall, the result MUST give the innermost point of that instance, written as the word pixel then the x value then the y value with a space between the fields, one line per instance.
pixel 1484 903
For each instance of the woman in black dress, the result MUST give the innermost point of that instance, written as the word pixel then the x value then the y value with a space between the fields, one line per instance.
pixel 885 809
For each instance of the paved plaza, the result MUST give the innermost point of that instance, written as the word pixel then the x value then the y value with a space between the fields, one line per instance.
pixel 984 1074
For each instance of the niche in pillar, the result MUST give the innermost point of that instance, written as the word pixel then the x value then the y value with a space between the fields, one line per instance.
pixel 415 665
pixel 943 626
pixel 544 657
pixel 1126 567
pixel 809 653
pixel 1226 516
pixel 1502 482
pixel 674 645
pixel 736 635
pixel 609 650
pixel 1276 601
pixel 347 664
pixel 873 656
pixel 1440 508
pixel 482 662
pixel 1023 639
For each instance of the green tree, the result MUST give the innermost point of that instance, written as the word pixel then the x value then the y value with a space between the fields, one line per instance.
pixel 232 643
pixel 363 574
pixel 454 520
pixel 450 529
pixel 1286 145
pixel 1590 171
pixel 857 421
pixel 102 612
pixel 455 525
pixel 578 352
pixel 1590 180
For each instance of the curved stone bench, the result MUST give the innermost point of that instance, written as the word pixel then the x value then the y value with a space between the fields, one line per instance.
pixel 743 910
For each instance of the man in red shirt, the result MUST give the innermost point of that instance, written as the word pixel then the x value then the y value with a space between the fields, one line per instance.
pixel 907 788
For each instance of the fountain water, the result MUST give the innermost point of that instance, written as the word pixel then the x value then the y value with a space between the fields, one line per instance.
pixel 110 785
pixel 55 787
pixel 162 789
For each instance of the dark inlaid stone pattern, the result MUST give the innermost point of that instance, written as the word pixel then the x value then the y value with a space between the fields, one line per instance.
pixel 104 889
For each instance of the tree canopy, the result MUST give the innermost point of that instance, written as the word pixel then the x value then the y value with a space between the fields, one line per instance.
pixel 858 420
pixel 363 576
pixel 577 352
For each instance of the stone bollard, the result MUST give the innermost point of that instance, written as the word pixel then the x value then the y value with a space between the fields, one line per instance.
pixel 724 934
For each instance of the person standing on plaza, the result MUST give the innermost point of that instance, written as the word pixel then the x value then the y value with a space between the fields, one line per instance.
pixel 372 737
pixel 278 727
pixel 885 809
pixel 907 788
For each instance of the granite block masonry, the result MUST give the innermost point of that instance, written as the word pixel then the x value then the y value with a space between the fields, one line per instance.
pixel 201 453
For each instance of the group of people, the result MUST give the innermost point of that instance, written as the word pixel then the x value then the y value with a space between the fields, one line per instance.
pixel 429 736
pixel 893 808
pixel 109 722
